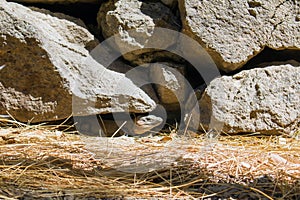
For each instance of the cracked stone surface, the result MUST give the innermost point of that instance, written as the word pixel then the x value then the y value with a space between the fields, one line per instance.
pixel 170 82
pixel 264 100
pixel 120 16
pixel 235 31
pixel 46 71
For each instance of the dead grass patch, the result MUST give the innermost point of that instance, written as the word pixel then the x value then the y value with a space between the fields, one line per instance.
pixel 39 162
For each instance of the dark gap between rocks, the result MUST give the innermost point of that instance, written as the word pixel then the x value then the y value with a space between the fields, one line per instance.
pixel 270 57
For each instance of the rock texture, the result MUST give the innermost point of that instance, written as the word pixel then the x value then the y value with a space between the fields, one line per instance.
pixel 59 15
pixel 170 82
pixel 44 63
pixel 120 16
pixel 139 76
pixel 264 100
pixel 47 72
pixel 235 31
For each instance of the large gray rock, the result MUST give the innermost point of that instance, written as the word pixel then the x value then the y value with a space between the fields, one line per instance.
pixel 90 45
pixel 44 63
pixel 264 100
pixel 59 15
pixel 135 22
pixel 235 31
pixel 138 76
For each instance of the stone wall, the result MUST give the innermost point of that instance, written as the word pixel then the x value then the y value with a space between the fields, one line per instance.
pixel 246 52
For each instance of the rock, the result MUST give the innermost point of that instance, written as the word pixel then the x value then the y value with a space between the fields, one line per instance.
pixel 59 15
pixel 46 73
pixel 135 22
pixel 90 45
pixel 56 1
pixel 235 31
pixel 169 81
pixel 138 76
pixel 264 100
pixel 171 87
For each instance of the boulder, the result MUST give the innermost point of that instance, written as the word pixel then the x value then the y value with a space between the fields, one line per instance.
pixel 169 81
pixel 135 22
pixel 139 76
pixel 171 87
pixel 235 31
pixel 90 45
pixel 46 73
pixel 264 100
pixel 59 15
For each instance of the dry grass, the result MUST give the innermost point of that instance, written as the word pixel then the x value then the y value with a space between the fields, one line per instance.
pixel 39 162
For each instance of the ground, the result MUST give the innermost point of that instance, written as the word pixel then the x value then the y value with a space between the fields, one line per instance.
pixel 40 162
